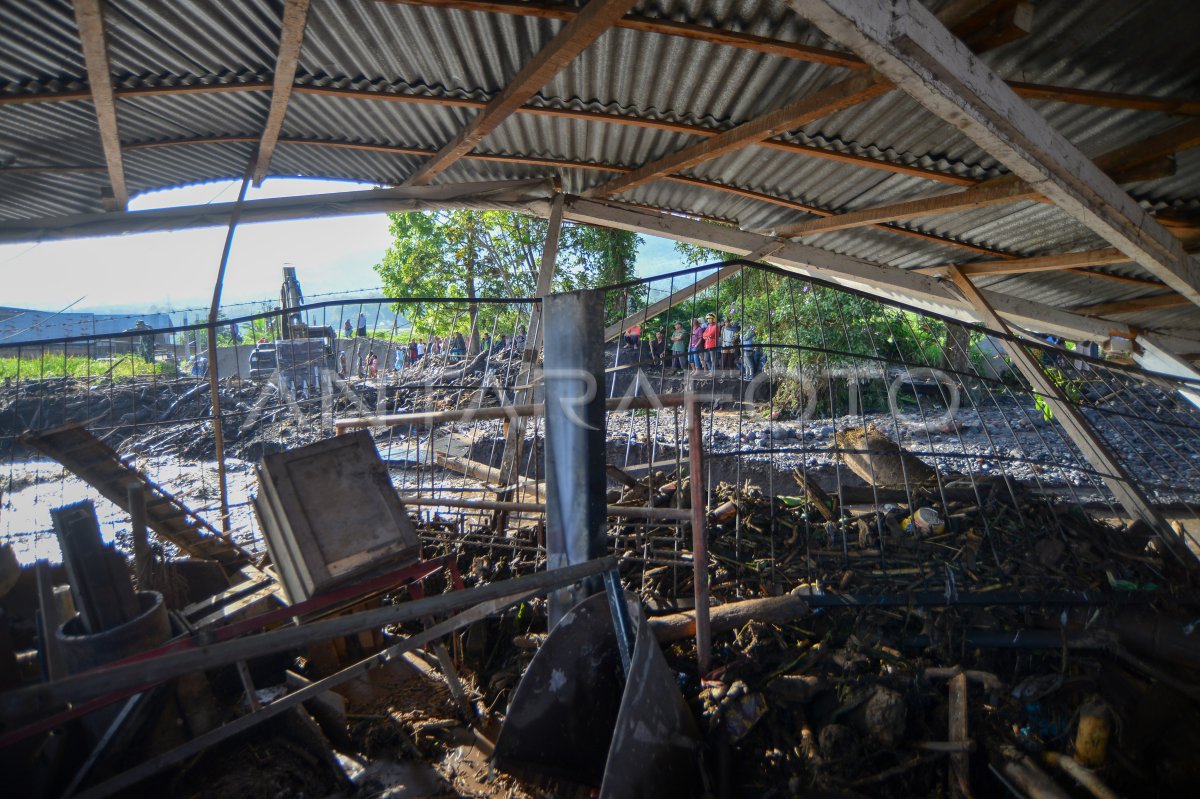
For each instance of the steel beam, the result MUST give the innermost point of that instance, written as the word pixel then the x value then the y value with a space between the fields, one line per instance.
pixel 576 479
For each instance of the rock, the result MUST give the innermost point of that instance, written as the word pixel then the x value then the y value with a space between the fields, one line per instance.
pixel 838 742
pixel 882 718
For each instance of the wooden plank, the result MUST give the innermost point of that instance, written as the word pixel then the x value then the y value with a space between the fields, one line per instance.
pixel 667 303
pixel 584 28
pixel 514 439
pixel 702 33
pixel 1137 102
pixel 997 191
pixel 782 202
pixel 291 37
pixel 1094 450
pixel 820 104
pixel 1124 164
pixel 819 55
pixel 89 18
pixel 922 291
pixel 1151 303
pixel 52 169
pixel 907 44
pixel 960 762
pixel 1069 260
pixel 99 579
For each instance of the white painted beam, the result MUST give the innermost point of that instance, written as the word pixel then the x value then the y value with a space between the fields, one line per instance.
pixel 906 43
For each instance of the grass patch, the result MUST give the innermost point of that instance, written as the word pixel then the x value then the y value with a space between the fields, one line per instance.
pixel 122 367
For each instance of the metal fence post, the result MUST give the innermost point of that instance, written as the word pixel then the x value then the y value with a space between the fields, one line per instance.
pixel 576 480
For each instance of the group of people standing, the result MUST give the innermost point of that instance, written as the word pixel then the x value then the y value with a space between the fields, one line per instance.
pixel 453 347
pixel 711 344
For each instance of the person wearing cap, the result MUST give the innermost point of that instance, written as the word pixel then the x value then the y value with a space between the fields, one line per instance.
pixel 712 340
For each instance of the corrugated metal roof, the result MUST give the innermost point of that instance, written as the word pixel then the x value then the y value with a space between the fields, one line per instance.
pixel 1145 48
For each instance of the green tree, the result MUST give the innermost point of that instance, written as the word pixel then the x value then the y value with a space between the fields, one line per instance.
pixel 472 254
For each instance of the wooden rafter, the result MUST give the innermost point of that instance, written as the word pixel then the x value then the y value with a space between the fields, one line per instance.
pixel 89 17
pixel 52 169
pixel 291 37
pixel 1124 164
pixel 761 44
pixel 843 94
pixel 997 191
pixel 1039 263
pixel 584 28
pixel 1152 303
pixel 1068 415
pixel 553 163
pixel 557 113
pixel 702 33
pixel 911 48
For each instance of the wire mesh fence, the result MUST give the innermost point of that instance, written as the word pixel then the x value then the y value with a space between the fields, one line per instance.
pixel 813 394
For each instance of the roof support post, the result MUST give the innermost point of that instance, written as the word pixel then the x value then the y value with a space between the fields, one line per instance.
pixel 291 37
pixel 89 17
pixel 1095 451
pixel 514 440
pixel 907 44
pixel 584 28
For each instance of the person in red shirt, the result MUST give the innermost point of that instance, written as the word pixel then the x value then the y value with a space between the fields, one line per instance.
pixel 712 339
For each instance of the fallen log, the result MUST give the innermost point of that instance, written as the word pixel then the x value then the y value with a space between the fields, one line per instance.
pixel 775 610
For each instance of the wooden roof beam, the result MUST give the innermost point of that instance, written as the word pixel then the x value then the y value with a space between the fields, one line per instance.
pixel 997 191
pixel 1039 263
pixel 554 163
pixel 908 45
pixel 819 55
pixel 1125 164
pixel 1152 303
pixel 820 104
pixel 89 17
pixel 291 38
pixel 637 22
pixel 584 28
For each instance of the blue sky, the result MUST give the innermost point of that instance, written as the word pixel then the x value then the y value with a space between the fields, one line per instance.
pixel 175 270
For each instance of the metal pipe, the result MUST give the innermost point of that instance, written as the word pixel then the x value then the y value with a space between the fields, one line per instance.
pixel 213 378
pixel 699 535
pixel 623 511
pixel 499 412
pixel 136 493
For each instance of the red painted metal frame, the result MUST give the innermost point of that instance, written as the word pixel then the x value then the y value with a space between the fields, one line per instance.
pixel 409 576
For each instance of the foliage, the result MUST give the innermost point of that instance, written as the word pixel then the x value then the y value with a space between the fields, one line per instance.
pixel 1070 389
pixel 468 254
pixel 120 367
